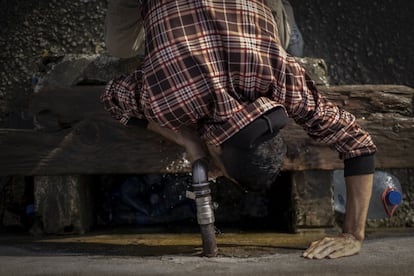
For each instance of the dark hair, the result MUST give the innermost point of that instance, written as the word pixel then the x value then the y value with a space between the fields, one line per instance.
pixel 255 168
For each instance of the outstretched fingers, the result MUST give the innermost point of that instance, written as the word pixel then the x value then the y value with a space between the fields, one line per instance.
pixel 319 249
pixel 333 247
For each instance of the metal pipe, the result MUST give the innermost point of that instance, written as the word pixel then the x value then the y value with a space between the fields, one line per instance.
pixel 205 213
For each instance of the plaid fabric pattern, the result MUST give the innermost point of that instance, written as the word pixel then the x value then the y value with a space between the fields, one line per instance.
pixel 219 65
pixel 204 64
pixel 119 98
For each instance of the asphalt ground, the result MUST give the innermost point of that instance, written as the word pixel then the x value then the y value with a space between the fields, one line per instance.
pixel 389 252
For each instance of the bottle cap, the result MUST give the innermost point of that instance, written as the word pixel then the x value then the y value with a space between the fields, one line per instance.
pixel 394 197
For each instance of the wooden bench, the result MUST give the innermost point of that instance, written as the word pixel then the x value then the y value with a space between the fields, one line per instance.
pixel 76 138
pixel 79 137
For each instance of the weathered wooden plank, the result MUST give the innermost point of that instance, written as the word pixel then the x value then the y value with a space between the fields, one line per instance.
pixel 61 107
pixel 103 147
pixel 66 106
pixel 363 100
pixel 385 111
pixel 22 150
pixel 393 135
pixel 91 147
pixel 99 145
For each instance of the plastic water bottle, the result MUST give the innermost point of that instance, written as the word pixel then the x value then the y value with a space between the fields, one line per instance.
pixel 386 194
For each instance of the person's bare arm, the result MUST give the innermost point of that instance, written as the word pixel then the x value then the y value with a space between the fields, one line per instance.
pixel 186 138
pixel 359 188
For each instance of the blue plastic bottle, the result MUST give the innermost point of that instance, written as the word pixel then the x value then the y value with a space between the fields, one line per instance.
pixel 386 194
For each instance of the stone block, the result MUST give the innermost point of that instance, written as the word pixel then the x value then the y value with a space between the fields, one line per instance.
pixel 12 201
pixel 78 69
pixel 63 204
pixel 75 69
pixel 312 197
pixel 316 69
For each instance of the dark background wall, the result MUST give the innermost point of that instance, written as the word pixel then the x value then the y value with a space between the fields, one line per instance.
pixel 30 29
pixel 361 41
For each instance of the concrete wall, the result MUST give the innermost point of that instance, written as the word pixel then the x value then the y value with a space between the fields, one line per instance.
pixel 361 41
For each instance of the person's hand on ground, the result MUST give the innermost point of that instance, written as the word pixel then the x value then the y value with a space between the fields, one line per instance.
pixel 333 247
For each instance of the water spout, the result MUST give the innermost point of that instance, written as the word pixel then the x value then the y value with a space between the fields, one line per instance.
pixel 205 213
